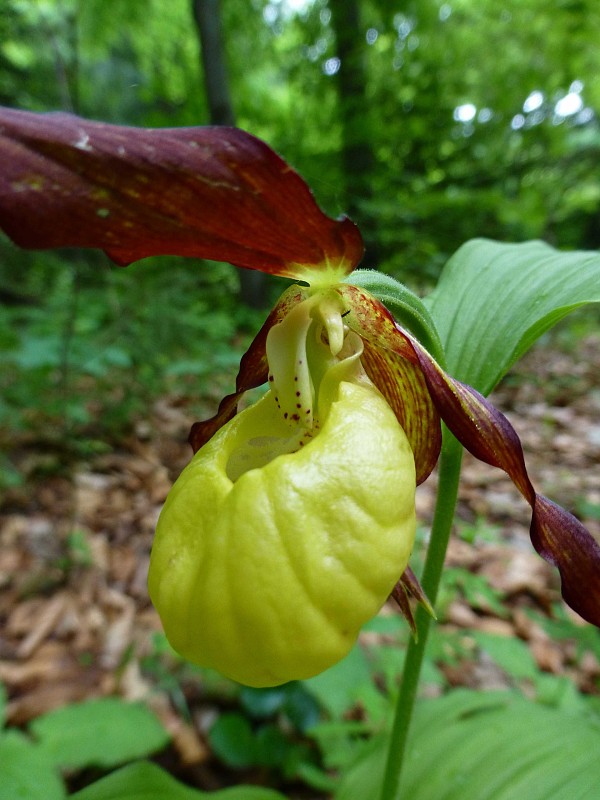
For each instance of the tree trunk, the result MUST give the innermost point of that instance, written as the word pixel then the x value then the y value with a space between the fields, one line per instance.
pixel 207 16
pixel 357 153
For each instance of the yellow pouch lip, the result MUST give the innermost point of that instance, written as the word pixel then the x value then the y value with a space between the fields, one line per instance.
pixel 265 607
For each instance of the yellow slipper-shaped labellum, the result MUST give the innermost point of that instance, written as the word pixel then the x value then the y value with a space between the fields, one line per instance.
pixel 269 578
pixel 274 547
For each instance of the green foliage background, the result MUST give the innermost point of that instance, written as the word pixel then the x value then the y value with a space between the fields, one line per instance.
pixel 459 113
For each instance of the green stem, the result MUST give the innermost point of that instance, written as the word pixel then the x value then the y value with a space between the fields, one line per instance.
pixel 449 475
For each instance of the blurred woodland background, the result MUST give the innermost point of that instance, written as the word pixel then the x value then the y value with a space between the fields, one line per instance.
pixel 429 123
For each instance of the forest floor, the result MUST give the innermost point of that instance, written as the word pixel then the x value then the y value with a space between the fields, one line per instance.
pixel 75 618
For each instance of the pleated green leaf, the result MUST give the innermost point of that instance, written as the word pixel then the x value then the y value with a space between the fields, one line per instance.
pixel 492 745
pixel 145 781
pixel 494 300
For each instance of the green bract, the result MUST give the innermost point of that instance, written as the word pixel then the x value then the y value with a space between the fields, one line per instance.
pixel 282 536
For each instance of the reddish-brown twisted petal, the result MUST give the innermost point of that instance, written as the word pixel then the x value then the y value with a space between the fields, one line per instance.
pixel 556 535
pixel 211 192
pixel 372 321
pixel 390 362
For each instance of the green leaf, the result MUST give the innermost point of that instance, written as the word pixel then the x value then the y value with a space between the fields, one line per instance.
pixel 494 300
pixel 300 707
pixel 336 688
pixel 231 738
pixel 103 733
pixel 469 745
pixel 262 703
pixel 273 747
pixel 510 654
pixel 2 707
pixel 144 781
pixel 26 773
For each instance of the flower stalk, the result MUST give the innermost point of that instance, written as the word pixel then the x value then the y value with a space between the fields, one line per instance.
pixel 448 482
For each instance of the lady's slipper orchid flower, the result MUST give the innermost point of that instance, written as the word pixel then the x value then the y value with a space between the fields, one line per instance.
pixel 291 526
pixel 294 520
